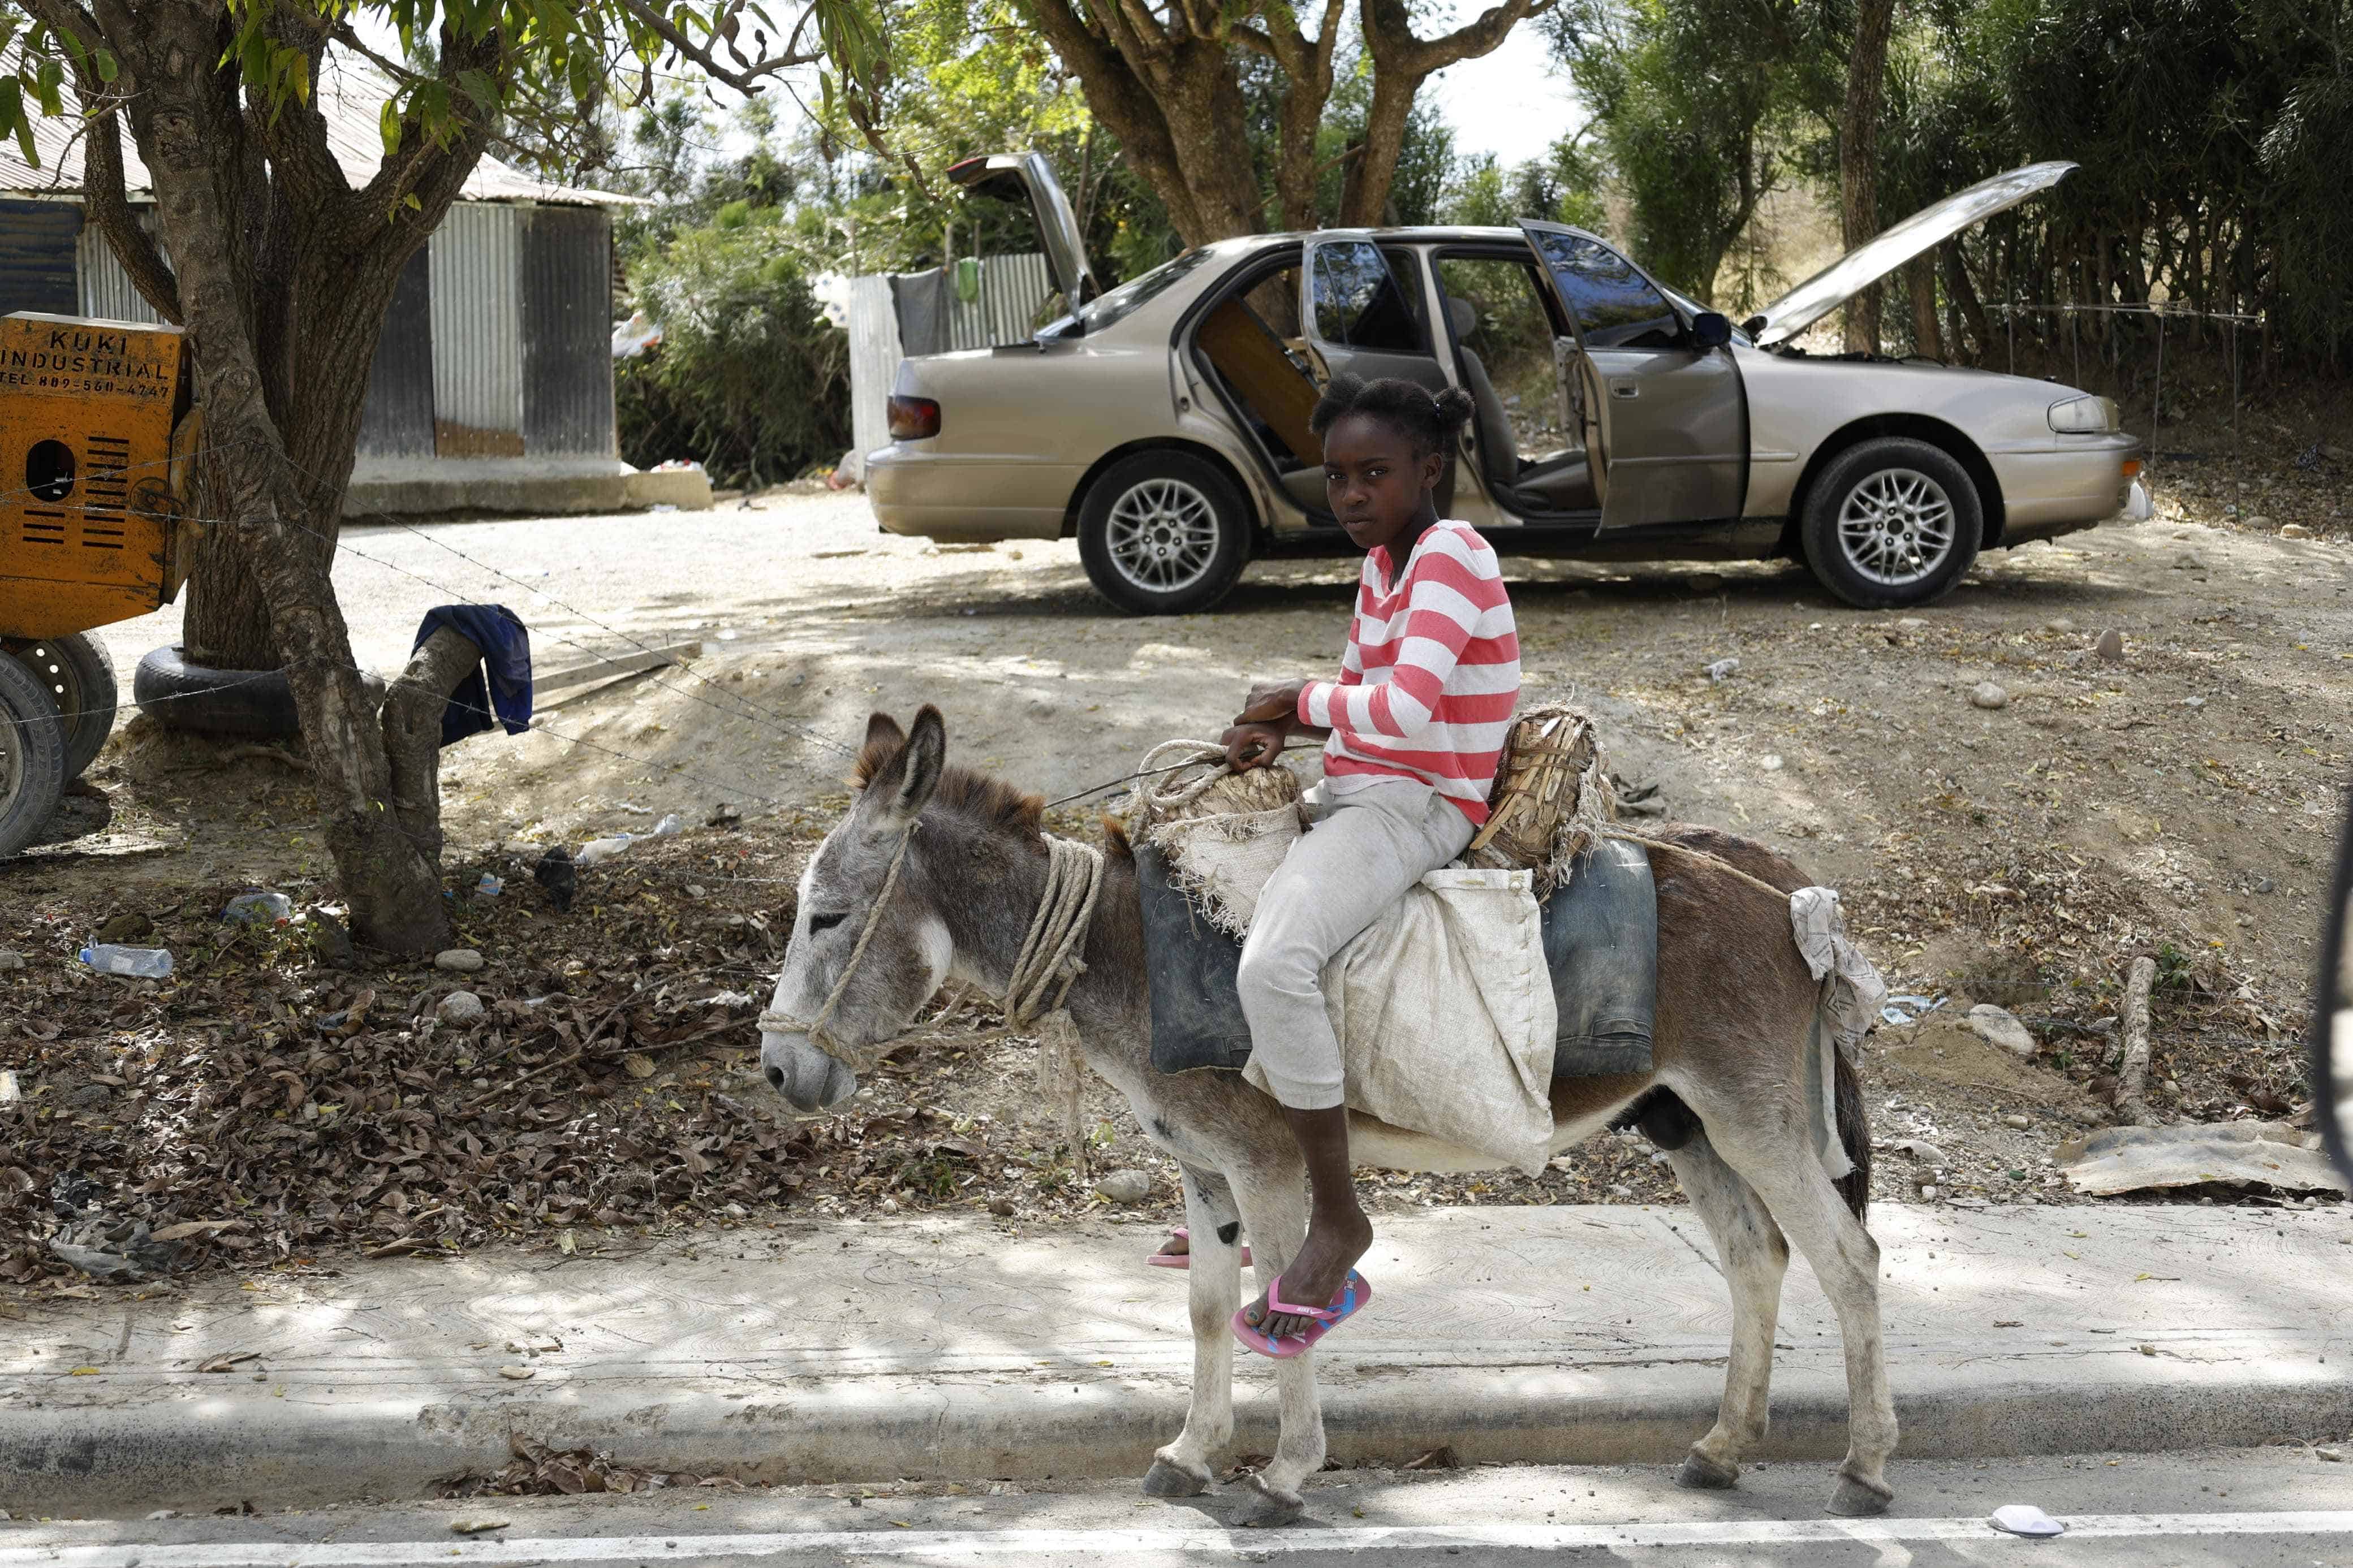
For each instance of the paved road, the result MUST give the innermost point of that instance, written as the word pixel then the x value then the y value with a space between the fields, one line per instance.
pixel 2277 1507
pixel 747 576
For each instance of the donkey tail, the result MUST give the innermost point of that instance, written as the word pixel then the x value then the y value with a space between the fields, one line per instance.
pixel 1854 1134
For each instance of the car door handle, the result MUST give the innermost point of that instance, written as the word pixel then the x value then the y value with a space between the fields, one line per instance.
pixel 1625 389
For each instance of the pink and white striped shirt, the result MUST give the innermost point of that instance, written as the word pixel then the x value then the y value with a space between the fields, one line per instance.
pixel 1431 675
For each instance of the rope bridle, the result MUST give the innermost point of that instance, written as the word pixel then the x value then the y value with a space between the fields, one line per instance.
pixel 1049 960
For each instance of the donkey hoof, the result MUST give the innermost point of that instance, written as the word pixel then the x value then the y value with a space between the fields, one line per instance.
pixel 1269 1509
pixel 1164 1480
pixel 1702 1474
pixel 1859 1499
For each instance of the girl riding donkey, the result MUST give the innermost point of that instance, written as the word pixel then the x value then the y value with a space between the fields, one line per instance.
pixel 1415 726
pixel 937 871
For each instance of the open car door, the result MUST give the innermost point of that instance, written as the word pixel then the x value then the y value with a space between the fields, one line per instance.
pixel 1028 177
pixel 1664 421
pixel 1358 316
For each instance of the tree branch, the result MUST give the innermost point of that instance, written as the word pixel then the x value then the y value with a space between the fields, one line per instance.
pixel 109 207
pixel 746 80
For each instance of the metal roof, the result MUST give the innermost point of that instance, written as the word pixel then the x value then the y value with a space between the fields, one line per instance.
pixel 351 99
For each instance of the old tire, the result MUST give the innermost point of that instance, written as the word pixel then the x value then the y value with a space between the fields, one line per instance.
pixel 1892 522
pixel 79 675
pixel 1164 533
pixel 252 704
pixel 32 756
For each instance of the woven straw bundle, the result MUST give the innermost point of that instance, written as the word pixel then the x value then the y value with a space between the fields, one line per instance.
pixel 1549 800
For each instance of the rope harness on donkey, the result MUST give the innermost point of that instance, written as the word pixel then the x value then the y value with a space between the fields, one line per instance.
pixel 1043 973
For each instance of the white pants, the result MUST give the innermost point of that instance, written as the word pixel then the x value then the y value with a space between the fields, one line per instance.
pixel 1366 849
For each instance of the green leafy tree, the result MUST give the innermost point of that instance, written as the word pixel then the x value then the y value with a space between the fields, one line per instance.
pixel 749 378
pixel 1697 105
pixel 282 271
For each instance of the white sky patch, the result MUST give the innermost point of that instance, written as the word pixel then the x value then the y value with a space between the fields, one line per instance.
pixel 1512 103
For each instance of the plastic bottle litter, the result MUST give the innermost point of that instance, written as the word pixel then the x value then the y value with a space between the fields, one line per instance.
pixel 667 825
pixel 258 909
pixel 139 963
pixel 490 886
pixel 597 849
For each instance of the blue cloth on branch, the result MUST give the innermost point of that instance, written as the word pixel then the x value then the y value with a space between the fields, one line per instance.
pixel 506 651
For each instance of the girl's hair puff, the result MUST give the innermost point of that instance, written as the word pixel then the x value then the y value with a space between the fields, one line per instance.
pixel 1428 421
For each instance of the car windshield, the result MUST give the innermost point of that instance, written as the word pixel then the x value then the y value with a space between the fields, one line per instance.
pixel 1108 310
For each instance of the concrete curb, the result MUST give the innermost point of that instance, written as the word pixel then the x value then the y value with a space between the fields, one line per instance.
pixel 882 1431
pixel 972 1403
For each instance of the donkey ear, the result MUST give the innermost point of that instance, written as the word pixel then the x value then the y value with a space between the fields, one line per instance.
pixel 926 755
pixel 883 731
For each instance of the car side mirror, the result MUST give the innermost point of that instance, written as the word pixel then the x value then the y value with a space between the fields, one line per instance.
pixel 1710 329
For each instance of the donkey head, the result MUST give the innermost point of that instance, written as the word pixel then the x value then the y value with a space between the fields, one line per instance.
pixel 907 948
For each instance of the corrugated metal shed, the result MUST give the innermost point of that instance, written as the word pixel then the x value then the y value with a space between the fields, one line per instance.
pixel 567 327
pixel 107 291
pixel 351 97
pixel 1012 289
pixel 398 419
pixel 36 257
pixel 477 259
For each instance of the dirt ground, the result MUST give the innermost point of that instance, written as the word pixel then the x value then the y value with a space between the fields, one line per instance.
pixel 2179 801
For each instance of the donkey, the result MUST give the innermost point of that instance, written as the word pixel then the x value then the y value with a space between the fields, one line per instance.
pixel 1735 1008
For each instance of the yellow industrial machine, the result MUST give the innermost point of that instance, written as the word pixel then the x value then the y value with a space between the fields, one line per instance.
pixel 89 535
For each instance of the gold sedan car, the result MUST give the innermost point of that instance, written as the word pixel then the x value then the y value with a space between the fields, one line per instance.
pixel 1165 423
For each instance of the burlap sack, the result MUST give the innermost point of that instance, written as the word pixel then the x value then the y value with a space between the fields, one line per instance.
pixel 1446 1017
pixel 1224 834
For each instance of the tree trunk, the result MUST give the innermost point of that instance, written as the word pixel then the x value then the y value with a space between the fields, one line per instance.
pixel 392 885
pixel 1965 294
pixel 1375 168
pixel 412 732
pixel 1867 84
pixel 1921 272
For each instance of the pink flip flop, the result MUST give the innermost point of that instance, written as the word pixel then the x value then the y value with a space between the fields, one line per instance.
pixel 1185 1259
pixel 1355 1296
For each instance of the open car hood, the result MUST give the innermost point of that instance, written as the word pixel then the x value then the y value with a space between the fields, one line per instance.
pixel 1868 263
pixel 1028 177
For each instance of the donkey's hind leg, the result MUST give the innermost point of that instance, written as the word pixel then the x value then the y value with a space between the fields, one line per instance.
pixel 1777 1158
pixel 1214 1281
pixel 1755 1254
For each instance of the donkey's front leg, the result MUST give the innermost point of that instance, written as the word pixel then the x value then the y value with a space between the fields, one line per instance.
pixel 1214 1276
pixel 1274 1207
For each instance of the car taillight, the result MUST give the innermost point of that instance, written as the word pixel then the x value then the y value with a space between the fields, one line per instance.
pixel 913 419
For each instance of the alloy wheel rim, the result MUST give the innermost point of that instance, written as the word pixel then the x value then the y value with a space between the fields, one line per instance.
pixel 1898 527
pixel 1162 535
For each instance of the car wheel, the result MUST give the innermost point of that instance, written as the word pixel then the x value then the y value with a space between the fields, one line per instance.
pixel 80 678
pixel 1164 533
pixel 32 756
pixel 1892 522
